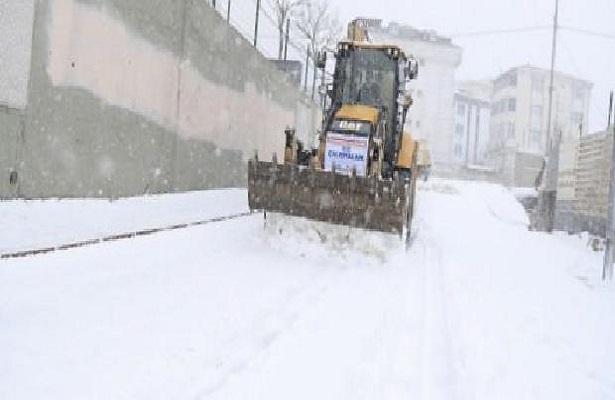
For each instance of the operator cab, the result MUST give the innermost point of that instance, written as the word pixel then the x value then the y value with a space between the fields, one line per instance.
pixel 368 74
pixel 372 77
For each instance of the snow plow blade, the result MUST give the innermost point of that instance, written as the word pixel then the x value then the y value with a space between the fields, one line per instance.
pixel 367 203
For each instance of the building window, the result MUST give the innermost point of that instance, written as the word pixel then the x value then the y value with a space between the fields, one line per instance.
pixel 535 137
pixel 494 108
pixel 512 105
pixel 536 118
pixel 459 129
pixel 503 130
pixel 538 83
pixel 503 105
pixel 458 150
pixel 576 118
pixel 512 79
pixel 461 109
pixel 511 130
pixel 537 97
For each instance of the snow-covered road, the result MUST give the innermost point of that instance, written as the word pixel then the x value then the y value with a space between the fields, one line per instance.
pixel 479 308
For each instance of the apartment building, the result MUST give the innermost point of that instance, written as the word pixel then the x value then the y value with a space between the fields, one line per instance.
pixel 431 117
pixel 519 115
pixel 472 113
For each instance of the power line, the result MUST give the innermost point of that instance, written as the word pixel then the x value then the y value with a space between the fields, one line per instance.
pixel 291 42
pixel 588 32
pixel 268 10
pixel 571 59
pixel 594 108
pixel 500 31
pixel 241 20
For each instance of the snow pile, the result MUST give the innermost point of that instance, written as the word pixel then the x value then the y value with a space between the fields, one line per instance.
pixel 40 223
pixel 498 202
pixel 523 192
pixel 314 239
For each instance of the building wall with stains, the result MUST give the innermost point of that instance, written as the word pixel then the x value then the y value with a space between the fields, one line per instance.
pixel 117 98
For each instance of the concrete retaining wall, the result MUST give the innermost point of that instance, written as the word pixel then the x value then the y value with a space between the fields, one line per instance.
pixel 140 96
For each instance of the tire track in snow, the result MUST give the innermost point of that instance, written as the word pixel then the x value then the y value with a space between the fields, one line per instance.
pixel 264 330
pixel 436 355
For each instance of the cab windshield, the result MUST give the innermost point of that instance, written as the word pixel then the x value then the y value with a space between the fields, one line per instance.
pixel 368 77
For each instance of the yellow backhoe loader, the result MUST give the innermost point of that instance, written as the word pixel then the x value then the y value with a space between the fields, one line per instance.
pixel 363 171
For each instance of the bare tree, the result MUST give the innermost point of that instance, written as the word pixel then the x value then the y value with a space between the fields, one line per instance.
pixel 284 9
pixel 319 26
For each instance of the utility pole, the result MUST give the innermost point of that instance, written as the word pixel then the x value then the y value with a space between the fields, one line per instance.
pixel 313 77
pixel 468 122
pixel 286 38
pixel 610 109
pixel 307 60
pixel 228 11
pixel 607 268
pixel 258 11
pixel 553 49
pixel 323 90
pixel 547 195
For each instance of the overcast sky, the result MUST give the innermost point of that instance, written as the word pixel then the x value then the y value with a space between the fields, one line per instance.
pixel 484 56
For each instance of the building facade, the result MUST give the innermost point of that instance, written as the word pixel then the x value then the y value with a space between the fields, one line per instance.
pixel 519 116
pixel 472 113
pixel 431 117
pixel 583 183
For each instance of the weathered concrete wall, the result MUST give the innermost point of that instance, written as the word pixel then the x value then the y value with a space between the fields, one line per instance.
pixel 142 96
pixel 15 50
pixel 11 134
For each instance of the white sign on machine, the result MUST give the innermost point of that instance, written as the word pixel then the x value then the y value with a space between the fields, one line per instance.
pixel 346 152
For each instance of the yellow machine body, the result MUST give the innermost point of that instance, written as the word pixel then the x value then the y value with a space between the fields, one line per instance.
pixel 363 172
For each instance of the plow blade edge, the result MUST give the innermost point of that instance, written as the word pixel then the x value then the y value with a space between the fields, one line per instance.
pixel 362 202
